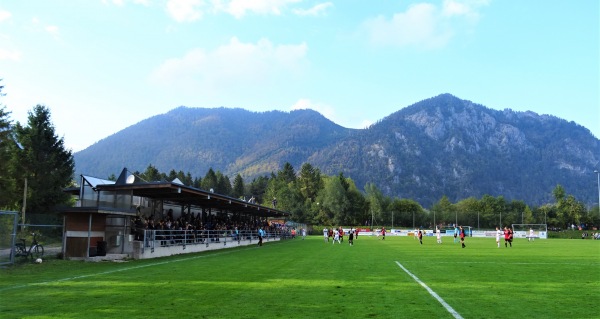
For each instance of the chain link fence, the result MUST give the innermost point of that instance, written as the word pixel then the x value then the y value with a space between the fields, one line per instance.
pixel 8 227
pixel 48 229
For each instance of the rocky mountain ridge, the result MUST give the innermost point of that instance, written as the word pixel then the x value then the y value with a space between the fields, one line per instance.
pixel 439 146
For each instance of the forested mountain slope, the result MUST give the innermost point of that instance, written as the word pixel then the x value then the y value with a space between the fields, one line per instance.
pixel 439 146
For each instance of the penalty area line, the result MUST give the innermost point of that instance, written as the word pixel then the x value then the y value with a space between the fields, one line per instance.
pixel 432 293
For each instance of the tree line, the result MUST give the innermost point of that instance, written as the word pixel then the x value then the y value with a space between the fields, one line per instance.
pixel 315 198
pixel 35 165
pixel 35 168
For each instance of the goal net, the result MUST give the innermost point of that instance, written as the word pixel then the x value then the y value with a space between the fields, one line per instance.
pixel 530 231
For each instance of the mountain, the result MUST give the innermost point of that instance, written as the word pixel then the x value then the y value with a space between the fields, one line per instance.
pixel 439 146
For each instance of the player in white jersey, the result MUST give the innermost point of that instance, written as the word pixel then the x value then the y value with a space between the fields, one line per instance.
pixel 326 234
pixel 531 234
pixel 336 236
pixel 438 234
pixel 498 234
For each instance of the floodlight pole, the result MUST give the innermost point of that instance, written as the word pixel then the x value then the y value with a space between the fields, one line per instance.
pixel 500 219
pixel 24 205
pixel 598 173
pixel 25 184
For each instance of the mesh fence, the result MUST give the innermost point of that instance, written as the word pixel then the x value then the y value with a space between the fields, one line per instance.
pixel 48 230
pixel 8 223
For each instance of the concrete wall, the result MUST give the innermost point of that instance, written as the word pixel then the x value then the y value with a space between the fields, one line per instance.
pixel 140 252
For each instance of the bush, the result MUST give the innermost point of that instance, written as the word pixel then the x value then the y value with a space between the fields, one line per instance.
pixel 570 234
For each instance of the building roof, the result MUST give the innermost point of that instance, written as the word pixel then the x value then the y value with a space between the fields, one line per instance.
pixel 185 195
pixel 174 192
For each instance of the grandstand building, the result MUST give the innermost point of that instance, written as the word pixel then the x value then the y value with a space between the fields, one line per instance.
pixel 110 218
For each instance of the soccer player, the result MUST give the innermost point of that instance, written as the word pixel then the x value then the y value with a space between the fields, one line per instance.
pixel 510 236
pixel 438 233
pixel 506 236
pixel 420 237
pixel 326 234
pixel 261 234
pixel 455 233
pixel 336 237
pixel 498 233
pixel 351 237
pixel 462 237
pixel 383 233
pixel 531 234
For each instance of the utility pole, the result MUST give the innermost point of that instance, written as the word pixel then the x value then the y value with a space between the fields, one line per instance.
pixel 598 173
pixel 24 205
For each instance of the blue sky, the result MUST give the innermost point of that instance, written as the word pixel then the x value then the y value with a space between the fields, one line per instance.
pixel 101 66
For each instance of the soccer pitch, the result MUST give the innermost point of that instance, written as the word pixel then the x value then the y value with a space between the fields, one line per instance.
pixel 392 278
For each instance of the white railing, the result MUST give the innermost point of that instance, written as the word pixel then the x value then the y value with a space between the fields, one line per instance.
pixel 153 239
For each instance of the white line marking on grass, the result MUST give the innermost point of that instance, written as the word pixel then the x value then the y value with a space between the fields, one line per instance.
pixel 504 263
pixel 118 270
pixel 432 293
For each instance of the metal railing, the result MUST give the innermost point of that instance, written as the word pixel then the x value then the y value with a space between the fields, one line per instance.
pixel 167 238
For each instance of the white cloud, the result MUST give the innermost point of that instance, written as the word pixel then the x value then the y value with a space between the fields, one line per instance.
pixel 52 29
pixel 326 110
pixel 423 25
pixel 464 8
pixel 417 26
pixel 192 10
pixel 317 10
pixel 346 120
pixel 121 3
pixel 365 123
pixel 235 64
pixel 239 8
pixel 4 15
pixel 185 10
pixel 12 55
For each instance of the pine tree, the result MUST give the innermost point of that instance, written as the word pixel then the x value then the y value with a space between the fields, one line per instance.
pixel 210 180
pixel 310 181
pixel 223 184
pixel 45 161
pixel 8 196
pixel 238 186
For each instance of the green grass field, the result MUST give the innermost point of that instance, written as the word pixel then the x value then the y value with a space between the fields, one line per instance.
pixel 554 278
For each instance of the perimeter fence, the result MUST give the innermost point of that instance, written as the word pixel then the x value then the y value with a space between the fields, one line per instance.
pixel 45 226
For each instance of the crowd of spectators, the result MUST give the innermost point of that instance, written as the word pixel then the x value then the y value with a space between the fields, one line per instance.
pixel 194 228
pixel 585 235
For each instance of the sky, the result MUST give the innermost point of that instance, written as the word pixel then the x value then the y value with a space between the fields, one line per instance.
pixel 101 66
